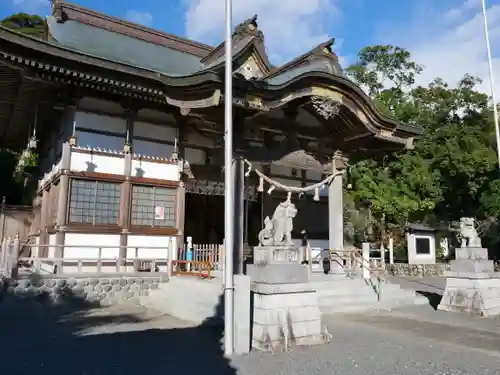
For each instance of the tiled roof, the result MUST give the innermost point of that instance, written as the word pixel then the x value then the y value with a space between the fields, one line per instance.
pixel 123 49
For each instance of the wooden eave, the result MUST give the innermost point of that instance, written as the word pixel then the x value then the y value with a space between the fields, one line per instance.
pixel 31 53
pixel 345 85
pixel 55 63
pixel 64 11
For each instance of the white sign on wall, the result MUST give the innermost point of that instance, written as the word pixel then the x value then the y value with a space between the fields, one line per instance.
pixel 160 213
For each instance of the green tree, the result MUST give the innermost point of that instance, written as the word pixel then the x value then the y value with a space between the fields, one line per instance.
pixel 28 24
pixel 452 171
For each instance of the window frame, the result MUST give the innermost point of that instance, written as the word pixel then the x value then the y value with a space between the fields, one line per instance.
pixel 95 203
pixel 153 226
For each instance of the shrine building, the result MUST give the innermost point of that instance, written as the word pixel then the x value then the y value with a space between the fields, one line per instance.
pixel 127 123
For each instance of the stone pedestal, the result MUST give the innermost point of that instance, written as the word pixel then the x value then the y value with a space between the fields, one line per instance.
pixel 285 315
pixel 277 265
pixel 285 306
pixel 471 285
pixel 469 259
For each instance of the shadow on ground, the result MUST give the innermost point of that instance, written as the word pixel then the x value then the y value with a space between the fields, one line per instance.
pixel 434 298
pixel 42 337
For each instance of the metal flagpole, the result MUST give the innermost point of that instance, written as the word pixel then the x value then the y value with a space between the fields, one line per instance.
pixel 492 80
pixel 228 187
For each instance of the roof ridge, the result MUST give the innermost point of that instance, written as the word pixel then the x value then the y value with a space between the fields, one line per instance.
pixel 64 11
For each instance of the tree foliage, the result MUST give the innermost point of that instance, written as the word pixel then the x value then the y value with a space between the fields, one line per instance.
pixel 28 24
pixel 452 171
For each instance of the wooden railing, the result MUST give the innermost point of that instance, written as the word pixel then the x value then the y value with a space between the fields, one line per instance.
pixel 53 264
pixel 93 265
pixel 207 253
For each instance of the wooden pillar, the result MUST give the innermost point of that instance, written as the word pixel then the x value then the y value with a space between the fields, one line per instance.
pixel 181 191
pixel 45 206
pixel 180 219
pixel 126 188
pixel 62 203
pixel 239 214
pixel 336 210
pixel 125 201
pixel 238 174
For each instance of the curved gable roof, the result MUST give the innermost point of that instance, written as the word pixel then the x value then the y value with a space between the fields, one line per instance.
pixel 121 48
pixel 65 11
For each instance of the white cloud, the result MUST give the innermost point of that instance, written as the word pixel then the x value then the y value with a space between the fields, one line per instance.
pixel 142 18
pixel 455 44
pixel 291 27
pixel 32 6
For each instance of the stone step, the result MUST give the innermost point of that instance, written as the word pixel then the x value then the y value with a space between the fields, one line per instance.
pixel 190 300
pixel 373 306
pixel 333 300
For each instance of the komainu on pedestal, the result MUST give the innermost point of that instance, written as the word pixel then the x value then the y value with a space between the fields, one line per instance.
pixel 472 286
pixel 285 309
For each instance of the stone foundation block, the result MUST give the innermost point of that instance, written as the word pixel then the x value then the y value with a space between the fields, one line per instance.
pixel 463 265
pixel 471 253
pixel 286 315
pixel 472 294
pixel 278 273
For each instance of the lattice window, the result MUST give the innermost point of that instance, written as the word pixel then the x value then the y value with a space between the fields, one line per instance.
pixel 153 206
pixel 94 202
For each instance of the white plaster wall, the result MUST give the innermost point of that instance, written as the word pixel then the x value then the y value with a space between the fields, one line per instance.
pixel 413 257
pixel 35 250
pixel 140 243
pixel 149 169
pixel 52 250
pixel 165 245
pixel 74 240
pixel 83 161
pixel 51 172
pixel 45 267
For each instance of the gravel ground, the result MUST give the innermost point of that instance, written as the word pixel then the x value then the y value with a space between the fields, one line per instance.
pixel 364 345
pixel 130 340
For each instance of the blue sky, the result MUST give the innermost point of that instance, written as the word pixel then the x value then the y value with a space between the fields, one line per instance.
pixel 446 36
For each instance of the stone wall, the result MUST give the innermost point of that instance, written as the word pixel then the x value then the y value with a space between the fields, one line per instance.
pixel 102 290
pixel 419 270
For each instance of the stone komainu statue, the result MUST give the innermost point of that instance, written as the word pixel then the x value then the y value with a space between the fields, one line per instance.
pixel 278 230
pixel 468 233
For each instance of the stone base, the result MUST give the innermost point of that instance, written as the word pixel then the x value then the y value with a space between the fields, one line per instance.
pixel 471 253
pixel 286 315
pixel 474 293
pixel 276 254
pixel 462 265
pixel 278 273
